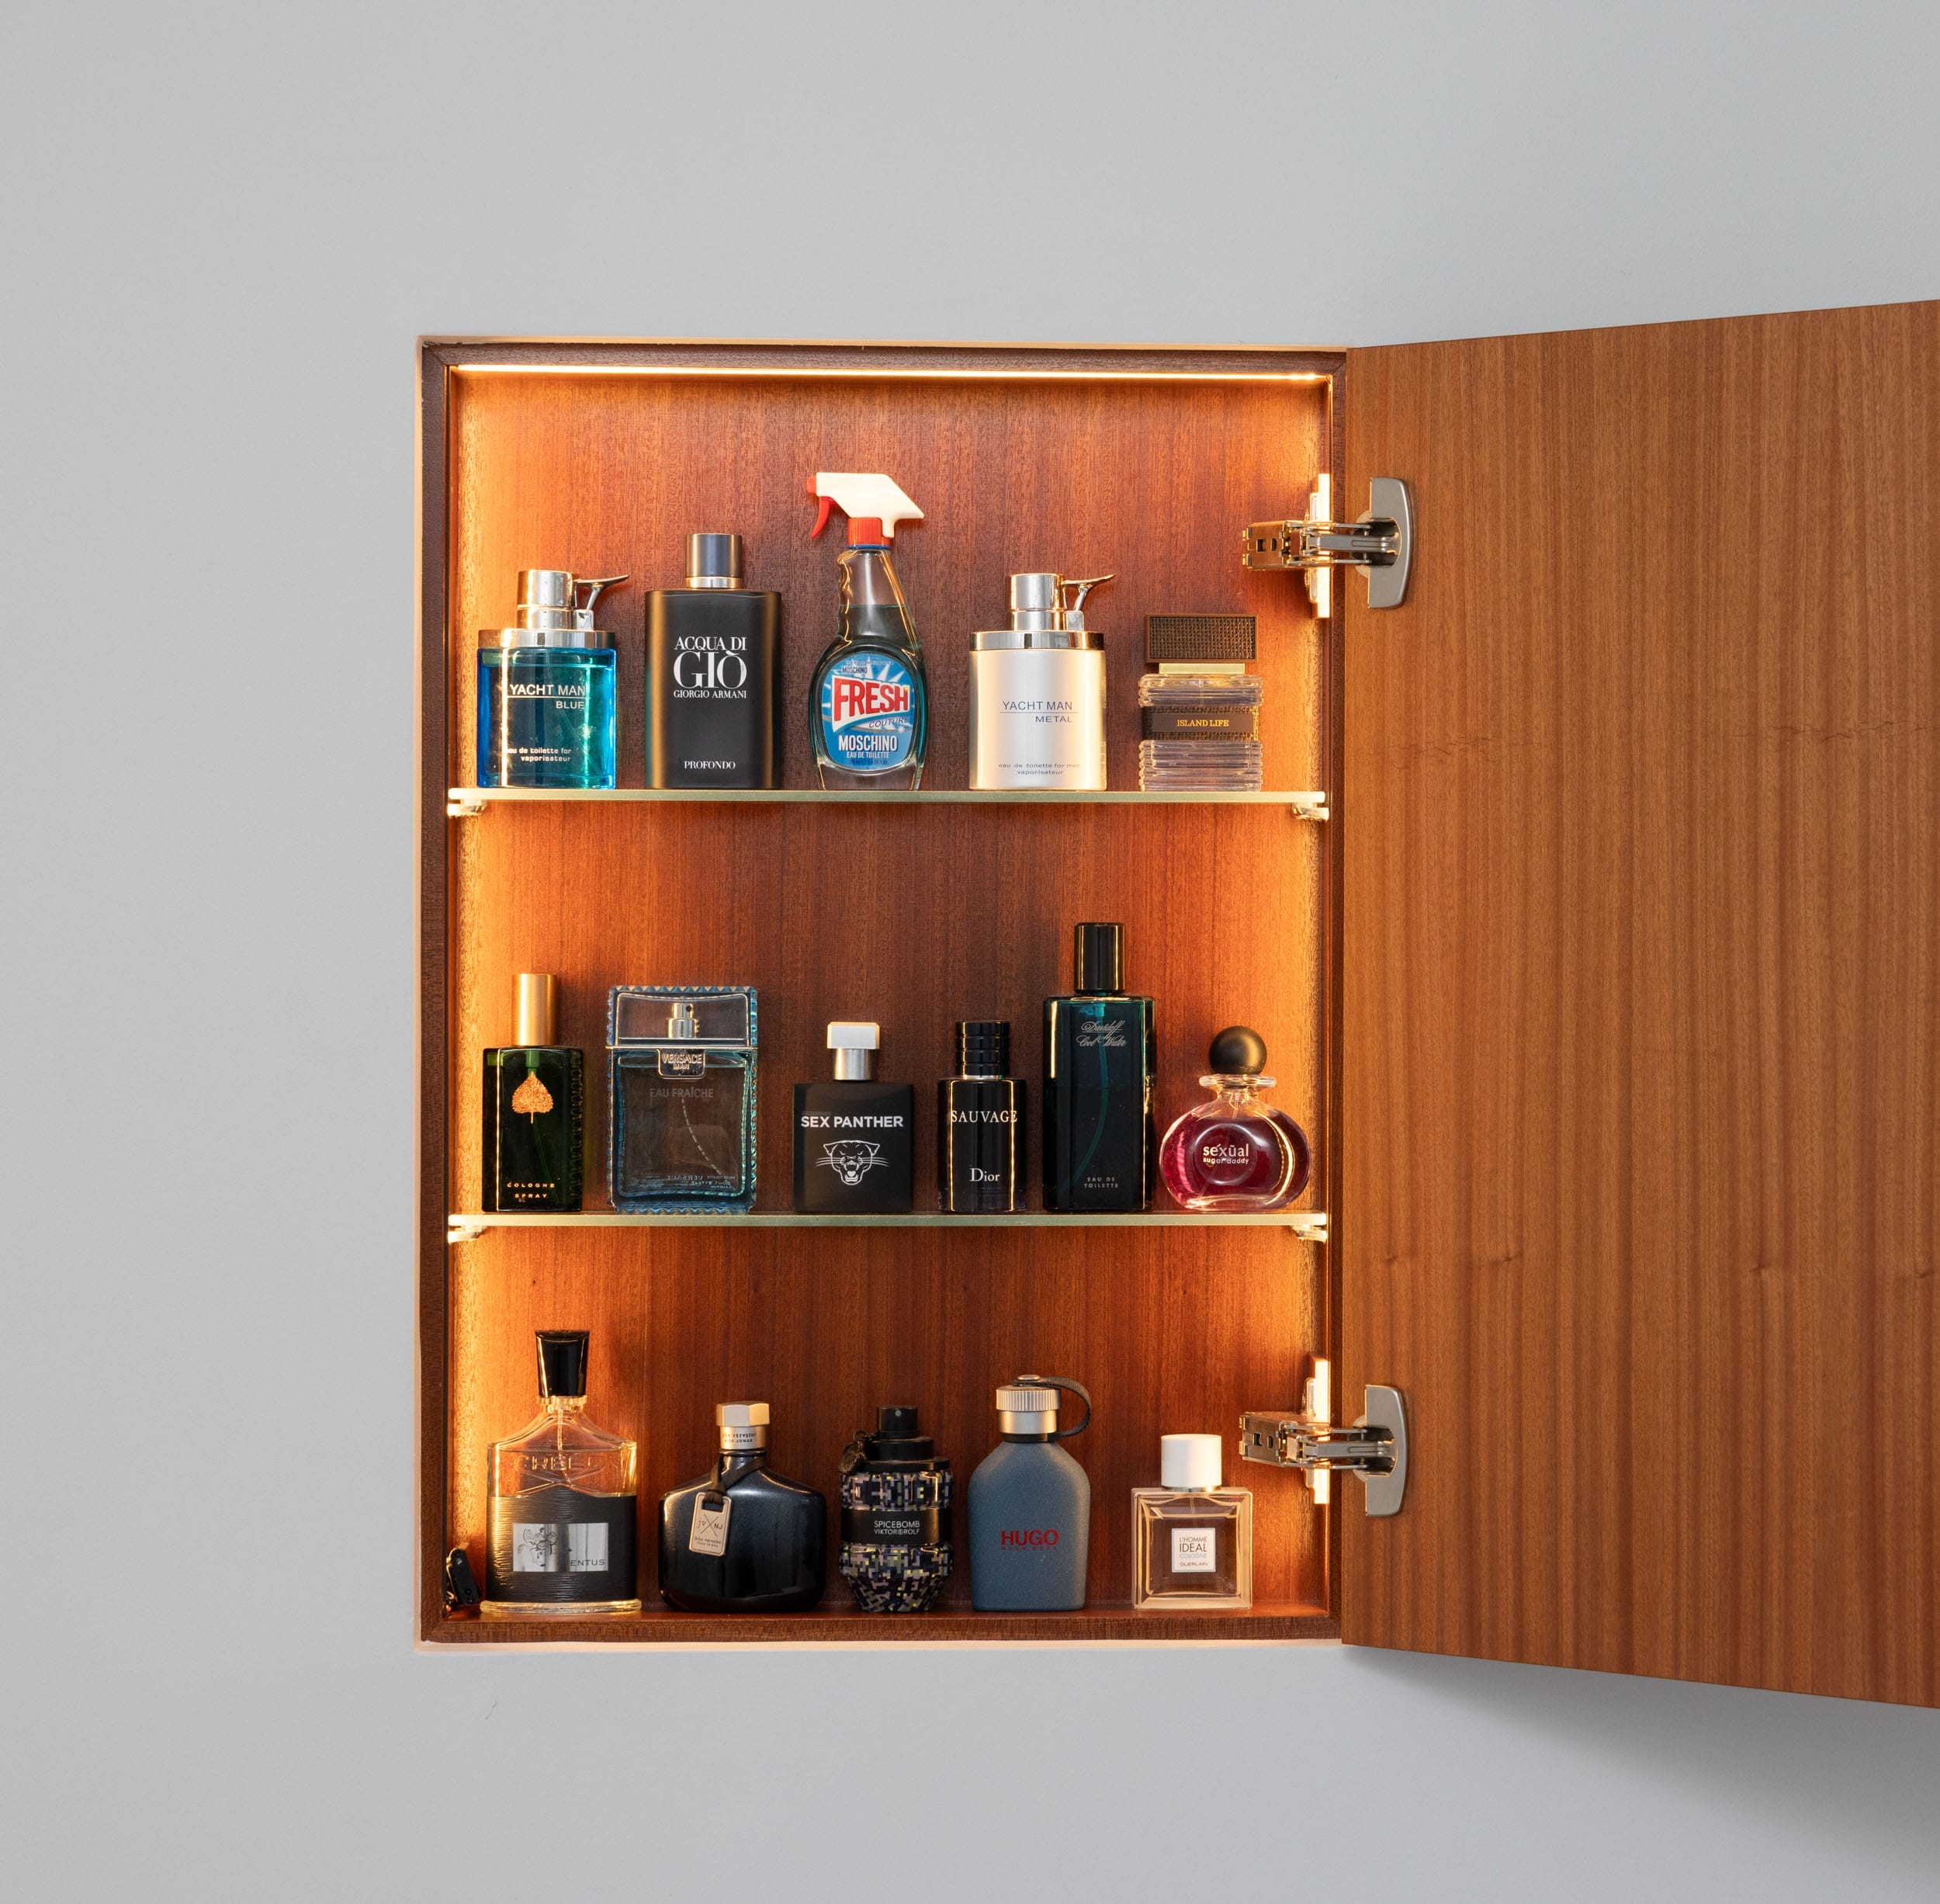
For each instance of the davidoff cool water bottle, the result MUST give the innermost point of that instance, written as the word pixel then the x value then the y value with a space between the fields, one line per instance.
pixel 1031 1506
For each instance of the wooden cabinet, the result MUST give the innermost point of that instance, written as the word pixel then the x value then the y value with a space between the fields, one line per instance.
pixel 1608 991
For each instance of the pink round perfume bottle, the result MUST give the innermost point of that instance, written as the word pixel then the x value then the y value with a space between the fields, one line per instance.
pixel 1235 1151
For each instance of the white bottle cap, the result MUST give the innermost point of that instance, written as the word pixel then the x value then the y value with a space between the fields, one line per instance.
pixel 1190 1461
pixel 854 1036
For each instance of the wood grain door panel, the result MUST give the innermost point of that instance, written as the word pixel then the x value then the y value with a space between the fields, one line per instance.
pixel 1640 824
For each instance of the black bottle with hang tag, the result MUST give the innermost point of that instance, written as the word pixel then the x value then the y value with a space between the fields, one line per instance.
pixel 713 675
pixel 744 1539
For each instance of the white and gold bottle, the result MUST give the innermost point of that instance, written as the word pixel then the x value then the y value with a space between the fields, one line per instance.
pixel 1037 692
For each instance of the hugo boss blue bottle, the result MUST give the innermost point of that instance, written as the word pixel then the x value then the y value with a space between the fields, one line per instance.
pixel 546 710
pixel 868 703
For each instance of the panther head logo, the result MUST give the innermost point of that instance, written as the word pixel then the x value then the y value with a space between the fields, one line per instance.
pixel 852 1159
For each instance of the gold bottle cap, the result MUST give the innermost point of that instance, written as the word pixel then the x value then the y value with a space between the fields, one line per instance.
pixel 537 1000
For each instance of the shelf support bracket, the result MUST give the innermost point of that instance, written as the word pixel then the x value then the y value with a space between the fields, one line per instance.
pixel 464 1229
pixel 1308 805
pixel 1375 1448
pixel 463 804
pixel 1379 543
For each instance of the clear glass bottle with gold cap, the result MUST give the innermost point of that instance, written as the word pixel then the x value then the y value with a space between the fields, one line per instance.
pixel 547 716
pixel 535 1104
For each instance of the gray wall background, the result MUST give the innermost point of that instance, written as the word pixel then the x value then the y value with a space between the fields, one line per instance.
pixel 224 226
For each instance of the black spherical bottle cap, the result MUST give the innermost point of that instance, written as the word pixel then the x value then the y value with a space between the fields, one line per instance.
pixel 983 1047
pixel 1098 951
pixel 1239 1051
pixel 562 1364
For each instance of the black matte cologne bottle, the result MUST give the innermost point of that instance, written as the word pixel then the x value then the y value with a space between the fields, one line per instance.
pixel 854 1139
pixel 744 1539
pixel 980 1124
pixel 535 1104
pixel 1100 1144
pixel 564 1504
pixel 713 672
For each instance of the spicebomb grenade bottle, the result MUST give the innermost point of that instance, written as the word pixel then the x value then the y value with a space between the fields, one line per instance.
pixel 1100 1144
pixel 1031 1506
pixel 713 668
pixel 854 1139
pixel 533 1149
pixel 546 713
pixel 895 1516
pixel 868 701
pixel 744 1539
pixel 980 1124
pixel 564 1504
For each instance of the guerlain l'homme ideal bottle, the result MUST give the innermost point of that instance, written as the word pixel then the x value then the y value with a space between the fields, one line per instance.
pixel 535 1106
pixel 713 671
pixel 564 1503
pixel 1101 1145
pixel 1192 1539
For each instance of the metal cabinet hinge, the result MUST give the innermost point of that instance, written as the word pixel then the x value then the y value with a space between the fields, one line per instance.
pixel 1375 1448
pixel 1381 543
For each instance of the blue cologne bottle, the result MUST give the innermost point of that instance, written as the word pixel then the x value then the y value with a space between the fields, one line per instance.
pixel 546 707
pixel 681 1064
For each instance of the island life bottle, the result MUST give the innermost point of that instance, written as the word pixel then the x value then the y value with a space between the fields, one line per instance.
pixel 868 703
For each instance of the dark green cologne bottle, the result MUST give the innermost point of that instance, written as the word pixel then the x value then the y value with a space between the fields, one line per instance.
pixel 1100 1144
pixel 535 1104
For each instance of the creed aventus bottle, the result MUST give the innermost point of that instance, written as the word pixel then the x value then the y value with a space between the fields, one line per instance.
pixel 868 700
pixel 564 1504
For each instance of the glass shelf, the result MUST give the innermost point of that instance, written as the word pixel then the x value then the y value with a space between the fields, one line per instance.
pixel 464 803
pixel 1308 1225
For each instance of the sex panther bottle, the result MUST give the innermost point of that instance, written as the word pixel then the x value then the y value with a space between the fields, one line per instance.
pixel 854 1138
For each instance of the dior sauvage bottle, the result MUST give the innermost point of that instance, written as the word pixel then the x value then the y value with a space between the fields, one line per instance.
pixel 1031 1506
pixel 534 1099
pixel 563 1503
pixel 546 710
pixel 1037 692
pixel 743 1538
pixel 1101 1145
pixel 980 1124
pixel 1191 1539
pixel 854 1138
pixel 713 669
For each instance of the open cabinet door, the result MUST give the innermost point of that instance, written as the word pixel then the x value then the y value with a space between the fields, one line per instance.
pixel 1640 842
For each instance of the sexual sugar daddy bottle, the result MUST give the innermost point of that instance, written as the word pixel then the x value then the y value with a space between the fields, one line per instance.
pixel 868 703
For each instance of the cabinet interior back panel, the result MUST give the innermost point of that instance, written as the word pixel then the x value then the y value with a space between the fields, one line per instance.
pixel 911 916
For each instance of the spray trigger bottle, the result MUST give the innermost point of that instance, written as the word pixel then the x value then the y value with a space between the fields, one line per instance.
pixel 868 701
